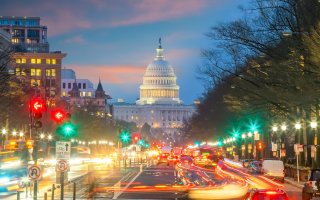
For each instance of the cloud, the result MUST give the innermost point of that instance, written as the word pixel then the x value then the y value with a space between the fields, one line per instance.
pixel 110 74
pixel 70 16
pixel 76 39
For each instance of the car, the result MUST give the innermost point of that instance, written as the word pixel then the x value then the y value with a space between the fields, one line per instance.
pixel 311 187
pixel 266 194
pixel 273 169
pixel 186 161
pixel 163 158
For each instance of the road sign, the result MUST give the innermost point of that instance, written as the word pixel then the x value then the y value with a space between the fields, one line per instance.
pixel 256 136
pixel 63 150
pixel 313 151
pixel 298 148
pixel 34 172
pixel 62 166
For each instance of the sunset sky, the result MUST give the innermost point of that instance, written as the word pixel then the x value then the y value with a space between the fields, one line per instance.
pixel 116 39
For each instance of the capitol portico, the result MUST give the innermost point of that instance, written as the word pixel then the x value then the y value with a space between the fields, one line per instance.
pixel 159 104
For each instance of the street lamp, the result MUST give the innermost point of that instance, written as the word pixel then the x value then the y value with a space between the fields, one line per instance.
pixel 243 136
pixel 297 126
pixel 49 137
pixel 14 133
pixel 313 124
pixel 41 136
pixel 274 128
pixel 283 127
pixel 21 134
pixel 249 134
pixel 4 131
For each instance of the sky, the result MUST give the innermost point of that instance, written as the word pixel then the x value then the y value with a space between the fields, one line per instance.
pixel 116 39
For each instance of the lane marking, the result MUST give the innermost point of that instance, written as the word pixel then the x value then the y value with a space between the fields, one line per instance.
pixel 116 195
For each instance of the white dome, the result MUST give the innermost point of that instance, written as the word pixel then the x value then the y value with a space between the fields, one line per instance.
pixel 159 68
pixel 159 83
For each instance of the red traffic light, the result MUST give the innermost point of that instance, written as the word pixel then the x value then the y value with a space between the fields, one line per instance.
pixel 260 145
pixel 135 137
pixel 37 105
pixel 58 115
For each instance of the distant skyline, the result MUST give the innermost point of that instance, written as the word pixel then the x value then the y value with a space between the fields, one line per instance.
pixel 116 39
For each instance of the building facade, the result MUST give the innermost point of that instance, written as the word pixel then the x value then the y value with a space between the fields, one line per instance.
pixel 159 104
pixel 27 33
pixel 33 62
pixel 85 86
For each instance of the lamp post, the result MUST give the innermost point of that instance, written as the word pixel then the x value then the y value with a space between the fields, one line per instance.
pixel 243 136
pixel 314 125
pixel 283 128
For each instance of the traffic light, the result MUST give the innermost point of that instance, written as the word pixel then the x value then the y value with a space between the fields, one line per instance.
pixel 135 137
pixel 141 142
pixel 125 136
pixel 37 106
pixel 260 145
pixel 58 115
pixel 67 130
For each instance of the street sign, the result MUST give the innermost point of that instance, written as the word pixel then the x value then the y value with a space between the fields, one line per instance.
pixel 63 150
pixel 34 172
pixel 274 147
pixel 298 148
pixel 313 151
pixel 62 166
pixel 256 136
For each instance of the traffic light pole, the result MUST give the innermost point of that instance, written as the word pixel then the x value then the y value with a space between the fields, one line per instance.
pixel 35 149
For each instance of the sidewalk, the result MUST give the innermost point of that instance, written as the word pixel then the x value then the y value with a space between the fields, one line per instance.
pixel 293 182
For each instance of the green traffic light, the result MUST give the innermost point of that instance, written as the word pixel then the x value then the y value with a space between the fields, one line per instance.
pixel 124 136
pixel 67 130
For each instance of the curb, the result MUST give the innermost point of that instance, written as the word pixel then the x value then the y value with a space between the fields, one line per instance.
pixel 291 182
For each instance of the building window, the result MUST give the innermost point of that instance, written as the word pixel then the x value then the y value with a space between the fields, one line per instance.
pixel 38 72
pixel 35 81
pixel 84 86
pixel 64 93
pixel 79 85
pixel 32 72
pixel 53 61
pixel 48 72
pixel 33 61
pixel 23 60
pixel 53 72
pixel 83 94
pixel 38 61
pixel 48 61
pixel 64 85
pixel 18 60
pixel 18 71
pixel 69 85
pixel 89 94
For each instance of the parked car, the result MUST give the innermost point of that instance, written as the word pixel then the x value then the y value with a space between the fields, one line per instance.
pixel 268 194
pixel 311 187
pixel 273 169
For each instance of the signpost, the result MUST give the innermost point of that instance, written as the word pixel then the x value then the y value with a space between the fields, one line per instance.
pixel 34 172
pixel 297 149
pixel 63 151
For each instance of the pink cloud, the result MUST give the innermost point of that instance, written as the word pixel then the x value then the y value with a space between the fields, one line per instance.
pixel 71 16
pixel 110 74
pixel 76 39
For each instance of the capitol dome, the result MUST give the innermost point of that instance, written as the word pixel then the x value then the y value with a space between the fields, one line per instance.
pixel 159 82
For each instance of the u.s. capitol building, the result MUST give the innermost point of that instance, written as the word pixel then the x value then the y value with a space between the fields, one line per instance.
pixel 159 104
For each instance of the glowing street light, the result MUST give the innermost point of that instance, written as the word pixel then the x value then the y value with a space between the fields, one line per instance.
pixel 243 136
pixel 283 127
pixel 49 137
pixel 313 124
pixel 41 136
pixel 14 133
pixel 249 134
pixel 4 131
pixel 297 126
pixel 21 134
pixel 274 128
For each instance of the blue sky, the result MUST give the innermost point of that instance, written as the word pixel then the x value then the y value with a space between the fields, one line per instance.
pixel 116 39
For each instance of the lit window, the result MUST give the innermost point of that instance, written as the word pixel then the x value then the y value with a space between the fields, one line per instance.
pixel 32 72
pixel 48 72
pixel 48 61
pixel 38 61
pixel 15 40
pixel 33 61
pixel 38 81
pixel 32 81
pixel 53 72
pixel 83 94
pixel 23 60
pixel 89 94
pixel 64 93
pixel 53 61
pixel 18 60
pixel 38 72
pixel 18 71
